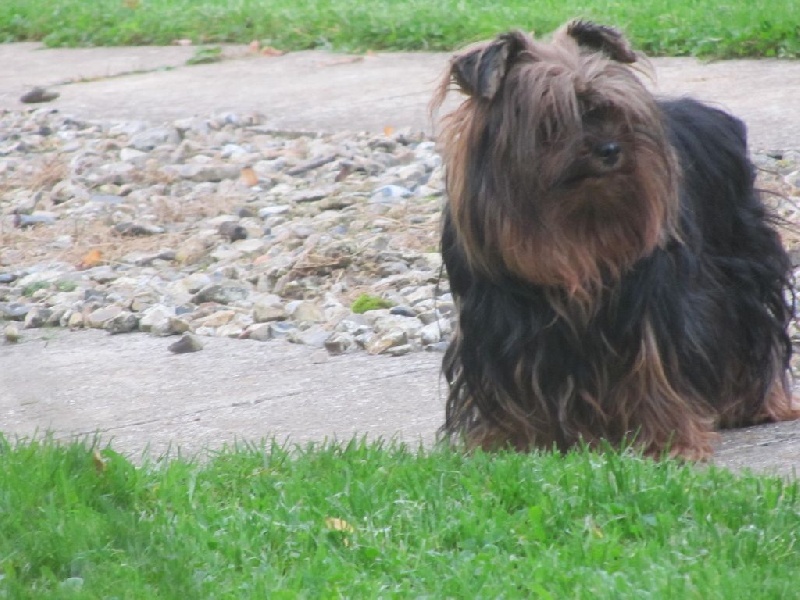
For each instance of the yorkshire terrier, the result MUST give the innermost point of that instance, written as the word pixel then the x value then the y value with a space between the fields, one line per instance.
pixel 618 278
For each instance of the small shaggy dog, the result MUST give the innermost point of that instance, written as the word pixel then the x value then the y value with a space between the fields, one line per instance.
pixel 617 276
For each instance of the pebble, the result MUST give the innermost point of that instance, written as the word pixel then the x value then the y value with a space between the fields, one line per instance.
pixel 123 323
pixel 186 344
pixel 219 226
pixel 98 318
pixel 11 333
pixel 269 308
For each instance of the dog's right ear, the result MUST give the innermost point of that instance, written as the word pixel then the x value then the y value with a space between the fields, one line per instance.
pixel 479 71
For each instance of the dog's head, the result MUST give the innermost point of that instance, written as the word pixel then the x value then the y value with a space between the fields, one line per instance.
pixel 559 171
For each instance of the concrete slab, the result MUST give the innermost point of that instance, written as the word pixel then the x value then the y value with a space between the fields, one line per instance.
pixel 133 391
pixel 320 91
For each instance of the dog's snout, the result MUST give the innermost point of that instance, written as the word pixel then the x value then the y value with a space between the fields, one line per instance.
pixel 608 152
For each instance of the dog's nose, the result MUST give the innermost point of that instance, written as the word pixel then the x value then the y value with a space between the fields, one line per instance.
pixel 608 152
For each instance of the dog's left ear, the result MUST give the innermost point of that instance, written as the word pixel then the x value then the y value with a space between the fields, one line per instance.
pixel 602 39
pixel 479 71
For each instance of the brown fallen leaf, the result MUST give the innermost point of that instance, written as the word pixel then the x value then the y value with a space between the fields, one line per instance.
pixel 100 463
pixel 335 524
pixel 249 176
pixel 90 259
pixel 270 51
pixel 341 525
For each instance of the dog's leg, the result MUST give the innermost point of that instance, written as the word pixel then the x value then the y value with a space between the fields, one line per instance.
pixel 779 405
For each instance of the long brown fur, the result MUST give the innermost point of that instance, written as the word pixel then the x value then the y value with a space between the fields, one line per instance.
pixel 558 243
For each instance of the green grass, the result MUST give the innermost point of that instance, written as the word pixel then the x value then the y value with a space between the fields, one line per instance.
pixel 724 28
pixel 30 290
pixel 366 302
pixel 380 521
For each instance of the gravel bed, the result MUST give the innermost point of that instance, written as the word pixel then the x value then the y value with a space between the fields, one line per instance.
pixel 221 226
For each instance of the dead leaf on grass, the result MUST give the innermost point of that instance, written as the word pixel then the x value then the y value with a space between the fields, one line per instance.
pixel 100 463
pixel 335 524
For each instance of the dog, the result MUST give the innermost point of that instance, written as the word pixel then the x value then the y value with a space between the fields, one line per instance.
pixel 617 277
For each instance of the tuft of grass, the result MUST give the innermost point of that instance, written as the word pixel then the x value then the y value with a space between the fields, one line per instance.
pixel 366 302
pixel 205 55
pixel 369 520
pixel 659 27
pixel 66 286
pixel 31 289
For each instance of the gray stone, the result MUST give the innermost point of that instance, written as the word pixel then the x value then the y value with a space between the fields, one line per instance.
pixel 186 344
pixel 202 173
pixel 269 308
pixel 403 311
pixel 155 315
pixel 383 342
pixel 435 332
pixel 315 336
pixel 125 322
pixel 195 282
pixel 98 318
pixel 11 333
pixel 340 342
pixel 390 194
pixel 115 173
pixel 223 294
pixel 260 332
pixel 36 218
pixel 281 329
pixel 133 156
pixel 129 228
pixel 14 311
pixel 271 211
pixel 37 317
pixel 76 320
pixel 305 312
pixel 399 350
pixel 149 139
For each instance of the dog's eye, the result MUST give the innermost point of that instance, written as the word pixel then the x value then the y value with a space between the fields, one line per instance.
pixel 595 114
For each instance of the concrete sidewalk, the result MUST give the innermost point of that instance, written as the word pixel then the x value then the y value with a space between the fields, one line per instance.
pixel 131 389
pixel 320 91
pixel 135 393
pixel 143 399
